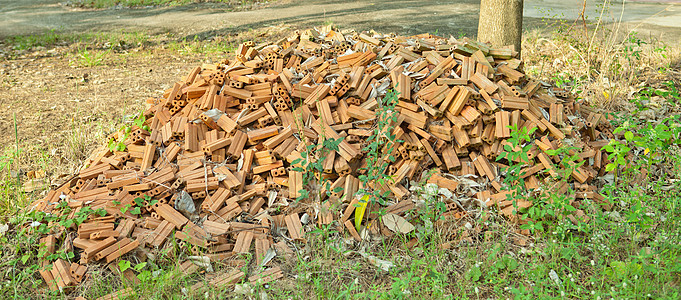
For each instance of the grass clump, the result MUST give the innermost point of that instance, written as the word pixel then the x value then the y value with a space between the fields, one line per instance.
pixel 598 60
pixel 54 38
pixel 89 50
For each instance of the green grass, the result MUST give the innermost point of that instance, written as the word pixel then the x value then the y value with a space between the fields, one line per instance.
pixel 55 38
pixel 197 46
pixel 88 50
pixel 86 58
pixel 612 259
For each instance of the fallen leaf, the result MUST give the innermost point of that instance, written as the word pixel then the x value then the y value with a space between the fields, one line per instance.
pixel 184 203
pixel 243 289
pixel 359 210
pixel 383 264
pixel 268 257
pixel 202 261
pixel 397 223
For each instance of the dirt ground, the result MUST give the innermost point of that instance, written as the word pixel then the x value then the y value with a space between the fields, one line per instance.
pixel 58 111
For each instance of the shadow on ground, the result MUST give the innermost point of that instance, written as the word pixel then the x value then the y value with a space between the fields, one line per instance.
pixel 383 16
pixel 454 17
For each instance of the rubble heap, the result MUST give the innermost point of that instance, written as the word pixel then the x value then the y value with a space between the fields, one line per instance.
pixel 222 162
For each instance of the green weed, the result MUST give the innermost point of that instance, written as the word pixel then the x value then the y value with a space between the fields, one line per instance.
pixel 379 150
pixel 90 58
pixel 30 41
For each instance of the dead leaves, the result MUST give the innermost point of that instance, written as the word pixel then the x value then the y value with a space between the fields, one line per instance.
pixel 397 223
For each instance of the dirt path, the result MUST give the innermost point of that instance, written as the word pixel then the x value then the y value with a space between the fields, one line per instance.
pixel 406 16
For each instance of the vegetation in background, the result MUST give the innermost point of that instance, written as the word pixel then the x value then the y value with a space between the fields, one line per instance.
pixel 598 60
pixel 112 40
pixel 96 49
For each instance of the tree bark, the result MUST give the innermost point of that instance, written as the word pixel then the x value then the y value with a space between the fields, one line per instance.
pixel 501 22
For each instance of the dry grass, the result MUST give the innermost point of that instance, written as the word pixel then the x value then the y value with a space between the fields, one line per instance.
pixel 603 62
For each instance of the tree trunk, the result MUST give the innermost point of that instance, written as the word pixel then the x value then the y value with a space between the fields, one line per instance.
pixel 501 22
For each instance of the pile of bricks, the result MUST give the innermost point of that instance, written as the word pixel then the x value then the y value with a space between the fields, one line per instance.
pixel 228 137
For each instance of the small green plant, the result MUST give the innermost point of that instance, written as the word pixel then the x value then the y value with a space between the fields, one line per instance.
pixel 140 202
pixel 119 144
pixel 30 41
pixel 312 164
pixel 379 149
pixel 7 159
pixel 324 231
pixel 568 164
pixel 515 152
pixel 545 207
pixel 670 93
pixel 554 208
pixel 401 286
pixel 618 152
pixel 653 143
pixel 632 46
pixel 379 156
pixel 656 139
pixel 86 58
pixel 432 211
pixel 564 81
